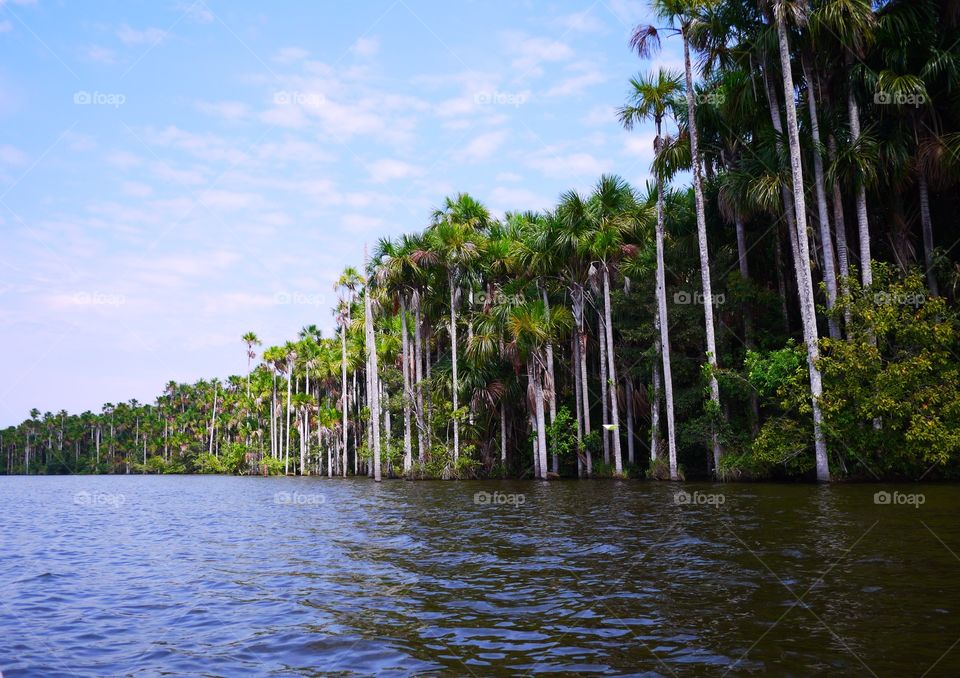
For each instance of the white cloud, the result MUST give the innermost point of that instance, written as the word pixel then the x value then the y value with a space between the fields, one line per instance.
pixel 196 11
pixel 10 155
pixel 366 47
pixel 504 198
pixel 131 36
pixel 531 52
pixel 229 110
pixel 123 159
pixel 361 223
pixel 101 55
pixel 136 189
pixel 585 75
pixel 583 22
pixel 290 55
pixel 389 169
pixel 570 164
pixel 600 115
pixel 484 145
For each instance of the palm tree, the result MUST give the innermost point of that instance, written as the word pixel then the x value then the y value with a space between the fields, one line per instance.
pixel 646 41
pixel 782 10
pixel 456 238
pixel 373 377
pixel 251 340
pixel 347 283
pixel 651 97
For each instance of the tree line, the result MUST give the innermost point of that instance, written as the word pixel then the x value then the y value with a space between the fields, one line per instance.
pixel 789 313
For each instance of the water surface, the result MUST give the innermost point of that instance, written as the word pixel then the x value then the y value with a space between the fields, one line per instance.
pixel 223 576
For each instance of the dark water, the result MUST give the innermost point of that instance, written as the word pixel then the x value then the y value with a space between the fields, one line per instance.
pixel 219 576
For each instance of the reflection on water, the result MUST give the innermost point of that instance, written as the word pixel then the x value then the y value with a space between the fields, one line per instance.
pixel 220 576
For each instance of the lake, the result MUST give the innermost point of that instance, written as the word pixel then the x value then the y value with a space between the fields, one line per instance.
pixel 226 576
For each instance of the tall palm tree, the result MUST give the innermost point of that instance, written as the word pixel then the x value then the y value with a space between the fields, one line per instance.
pixel 646 41
pixel 782 10
pixel 651 97
pixel 251 340
pixel 347 284
pixel 456 238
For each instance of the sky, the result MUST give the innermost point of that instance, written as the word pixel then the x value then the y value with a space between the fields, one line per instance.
pixel 174 174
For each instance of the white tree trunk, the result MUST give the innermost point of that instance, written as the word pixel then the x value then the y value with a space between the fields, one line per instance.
pixel 612 373
pixel 374 379
pixel 604 387
pixel 407 394
pixel 804 277
pixel 663 323
pixel 702 243
pixel 863 225
pixel 455 384
pixel 826 240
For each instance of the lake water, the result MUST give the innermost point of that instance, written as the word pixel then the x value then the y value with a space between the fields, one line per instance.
pixel 222 576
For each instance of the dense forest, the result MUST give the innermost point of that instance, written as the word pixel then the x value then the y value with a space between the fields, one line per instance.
pixel 779 302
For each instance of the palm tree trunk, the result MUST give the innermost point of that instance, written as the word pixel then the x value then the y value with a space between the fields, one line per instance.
pixel 286 452
pixel 584 382
pixel 503 433
pixel 455 385
pixel 663 323
pixel 604 387
pixel 213 419
pixel 703 246
pixel 374 379
pixel 804 278
pixel 655 400
pixel 612 372
pixel 536 374
pixel 552 398
pixel 575 369
pixel 826 241
pixel 407 394
pixel 927 225
pixel 344 396
pixel 863 224
pixel 418 365
pixel 629 408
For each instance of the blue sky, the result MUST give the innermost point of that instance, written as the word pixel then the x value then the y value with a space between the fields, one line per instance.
pixel 173 174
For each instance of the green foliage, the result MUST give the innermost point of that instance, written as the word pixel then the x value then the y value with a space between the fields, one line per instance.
pixel 562 434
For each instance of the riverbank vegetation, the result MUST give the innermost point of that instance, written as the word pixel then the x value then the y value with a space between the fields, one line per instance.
pixel 780 301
